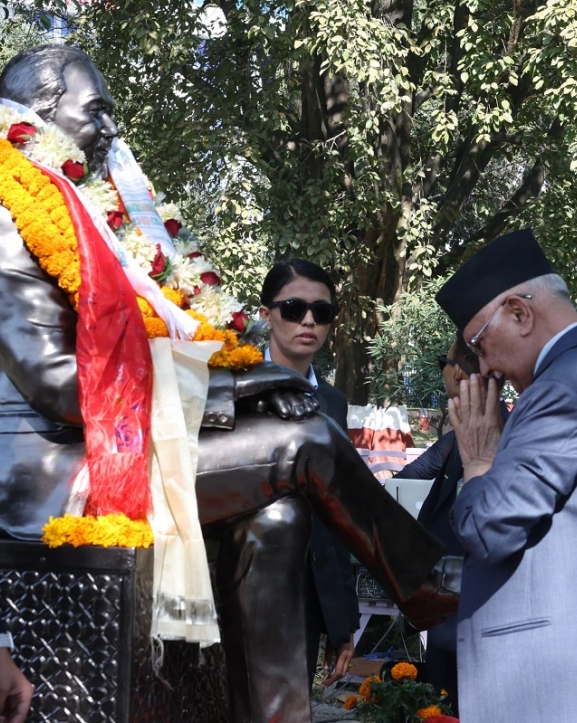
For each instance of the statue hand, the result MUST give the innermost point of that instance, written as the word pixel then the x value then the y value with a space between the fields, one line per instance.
pixel 277 388
pixel 268 377
pixel 289 404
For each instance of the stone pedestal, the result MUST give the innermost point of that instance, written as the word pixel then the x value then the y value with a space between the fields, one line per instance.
pixel 81 618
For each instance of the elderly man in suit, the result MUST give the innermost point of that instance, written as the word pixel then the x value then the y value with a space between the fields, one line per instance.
pixel 516 514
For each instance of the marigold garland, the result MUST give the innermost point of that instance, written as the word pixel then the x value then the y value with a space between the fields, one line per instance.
pixel 107 531
pixel 49 235
pixel 47 230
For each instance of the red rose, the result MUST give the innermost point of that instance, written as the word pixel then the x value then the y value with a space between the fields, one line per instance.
pixel 74 170
pixel 21 133
pixel 442 719
pixel 172 226
pixel 239 321
pixel 159 265
pixel 196 290
pixel 195 255
pixel 210 278
pixel 115 219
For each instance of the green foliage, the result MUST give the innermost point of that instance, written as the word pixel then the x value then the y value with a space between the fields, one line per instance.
pixel 16 34
pixel 411 337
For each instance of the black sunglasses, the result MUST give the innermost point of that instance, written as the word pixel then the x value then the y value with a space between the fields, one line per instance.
pixel 444 360
pixel 296 309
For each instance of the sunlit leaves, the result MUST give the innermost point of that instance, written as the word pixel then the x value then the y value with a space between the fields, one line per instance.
pixel 386 141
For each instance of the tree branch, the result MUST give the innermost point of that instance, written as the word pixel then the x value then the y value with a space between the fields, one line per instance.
pixel 530 188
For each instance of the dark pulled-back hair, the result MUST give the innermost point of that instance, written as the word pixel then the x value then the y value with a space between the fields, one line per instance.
pixel 284 272
pixel 466 358
pixel 35 77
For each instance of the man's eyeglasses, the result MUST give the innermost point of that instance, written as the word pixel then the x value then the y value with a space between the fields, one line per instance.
pixel 444 360
pixel 473 343
pixel 295 310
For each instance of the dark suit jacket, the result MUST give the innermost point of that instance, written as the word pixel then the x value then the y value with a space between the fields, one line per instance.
pixel 330 560
pixel 442 462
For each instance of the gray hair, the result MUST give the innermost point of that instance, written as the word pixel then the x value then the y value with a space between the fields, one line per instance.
pixel 35 77
pixel 552 284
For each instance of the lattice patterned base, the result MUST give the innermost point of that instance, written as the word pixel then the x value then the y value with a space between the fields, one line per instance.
pixel 81 619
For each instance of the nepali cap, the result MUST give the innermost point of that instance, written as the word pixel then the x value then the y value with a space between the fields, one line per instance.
pixel 504 263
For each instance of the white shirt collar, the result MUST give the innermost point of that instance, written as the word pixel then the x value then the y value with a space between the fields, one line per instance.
pixel 311 376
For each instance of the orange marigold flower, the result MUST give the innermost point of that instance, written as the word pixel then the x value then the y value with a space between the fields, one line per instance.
pixel 144 306
pixel 350 702
pixel 69 279
pixel 244 356
pixel 60 217
pixel 197 315
pixel 25 217
pixel 53 533
pixel 47 193
pixel 173 295
pixel 366 690
pixel 58 262
pixel 207 332
pixel 430 712
pixel 73 298
pixel 400 671
pixel 155 327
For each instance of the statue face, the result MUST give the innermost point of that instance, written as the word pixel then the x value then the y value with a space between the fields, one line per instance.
pixel 84 112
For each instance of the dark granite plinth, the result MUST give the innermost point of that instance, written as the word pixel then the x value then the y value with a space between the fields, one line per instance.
pixel 81 618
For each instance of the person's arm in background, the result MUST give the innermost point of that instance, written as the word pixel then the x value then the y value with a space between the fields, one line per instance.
pixel 427 465
pixel 15 689
pixel 343 654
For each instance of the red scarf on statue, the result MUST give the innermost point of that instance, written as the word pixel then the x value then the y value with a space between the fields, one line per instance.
pixel 114 373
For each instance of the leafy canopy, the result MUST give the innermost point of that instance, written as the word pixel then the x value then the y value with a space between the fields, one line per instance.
pixel 385 140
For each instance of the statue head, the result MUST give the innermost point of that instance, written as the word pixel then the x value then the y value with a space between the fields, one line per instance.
pixel 62 84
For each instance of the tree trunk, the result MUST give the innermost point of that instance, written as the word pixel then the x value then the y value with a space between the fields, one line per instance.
pixel 380 283
pixel 353 368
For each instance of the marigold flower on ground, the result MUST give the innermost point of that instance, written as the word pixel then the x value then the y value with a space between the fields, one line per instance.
pixel 350 702
pixel 404 670
pixel 429 712
pixel 365 690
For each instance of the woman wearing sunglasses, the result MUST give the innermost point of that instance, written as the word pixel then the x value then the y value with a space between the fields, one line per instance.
pixel 298 305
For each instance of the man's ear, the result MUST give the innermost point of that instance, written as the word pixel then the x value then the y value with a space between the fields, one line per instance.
pixel 521 310
pixel 264 313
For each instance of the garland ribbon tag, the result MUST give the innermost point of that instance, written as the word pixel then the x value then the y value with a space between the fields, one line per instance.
pixel 131 185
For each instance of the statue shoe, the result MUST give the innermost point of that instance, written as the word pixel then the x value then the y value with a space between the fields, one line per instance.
pixel 437 597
